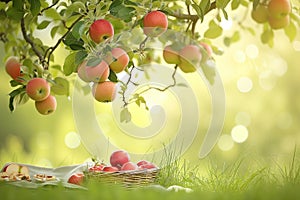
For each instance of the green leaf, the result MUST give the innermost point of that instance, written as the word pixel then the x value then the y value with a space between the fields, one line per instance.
pixel 52 14
pixel 35 6
pixel 204 5
pixel 18 4
pixel 112 76
pixel 291 31
pixel 119 10
pixel 69 65
pixel 221 4
pixel 61 86
pixel 235 4
pixel 267 37
pixel 17 97
pixel 94 61
pixel 80 56
pixel 43 24
pixel 54 31
pixel 181 85
pixel 78 29
pixel 15 14
pixel 213 31
pixel 125 115
pixel 199 11
pixel 73 43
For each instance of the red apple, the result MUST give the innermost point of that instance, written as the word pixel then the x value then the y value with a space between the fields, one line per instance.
pixel 129 166
pixel 47 106
pixel 110 169
pixel 81 70
pixel 104 91
pixel 260 14
pixel 170 55
pixel 142 162
pixel 117 59
pixel 279 8
pixel 148 166
pixel 101 30
pixel 119 158
pixel 98 73
pixel 155 23
pixel 190 57
pixel 97 168
pixel 38 89
pixel 77 178
pixel 13 67
pixel 279 23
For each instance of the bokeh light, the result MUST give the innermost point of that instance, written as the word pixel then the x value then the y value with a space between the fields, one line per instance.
pixel 239 133
pixel 252 51
pixel 72 140
pixel 225 142
pixel 296 45
pixel 243 118
pixel 240 56
pixel 244 84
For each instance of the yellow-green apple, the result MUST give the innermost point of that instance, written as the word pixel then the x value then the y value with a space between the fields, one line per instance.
pixel 104 91
pixel 46 106
pixel 97 73
pixel 117 59
pixel 13 68
pixel 76 178
pixel 119 158
pixel 129 166
pixel 101 30
pixel 279 8
pixel 155 23
pixel 276 23
pixel 170 55
pixel 260 14
pixel 190 57
pixel 110 169
pixel 38 89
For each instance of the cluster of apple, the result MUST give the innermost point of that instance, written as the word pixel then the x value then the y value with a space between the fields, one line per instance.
pixel 116 59
pixel 188 57
pixel 38 89
pixel 275 12
pixel 120 161
pixel 15 172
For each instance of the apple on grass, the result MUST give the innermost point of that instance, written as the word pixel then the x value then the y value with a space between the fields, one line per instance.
pixel 155 23
pixel 101 30
pixel 46 106
pixel 76 178
pixel 38 89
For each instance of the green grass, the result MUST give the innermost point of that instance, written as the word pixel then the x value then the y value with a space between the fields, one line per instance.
pixel 242 179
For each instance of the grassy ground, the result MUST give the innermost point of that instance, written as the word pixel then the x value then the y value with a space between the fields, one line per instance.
pixel 240 180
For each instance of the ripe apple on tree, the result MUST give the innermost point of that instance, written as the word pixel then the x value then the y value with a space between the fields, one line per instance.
pixel 190 57
pixel 104 91
pixel 98 73
pixel 260 14
pixel 117 59
pixel 155 23
pixel 170 55
pixel 101 30
pixel 13 68
pixel 46 106
pixel 38 89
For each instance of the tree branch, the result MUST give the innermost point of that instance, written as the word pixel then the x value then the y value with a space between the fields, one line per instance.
pixel 50 50
pixel 193 17
pixel 32 44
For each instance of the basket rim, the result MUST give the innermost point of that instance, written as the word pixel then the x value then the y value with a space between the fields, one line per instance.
pixel 138 171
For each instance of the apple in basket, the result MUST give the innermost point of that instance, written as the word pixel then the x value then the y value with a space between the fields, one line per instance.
pixel 97 168
pixel 119 158
pixel 76 178
pixel 110 169
pixel 129 166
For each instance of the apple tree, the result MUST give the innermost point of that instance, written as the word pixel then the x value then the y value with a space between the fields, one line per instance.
pixel 105 38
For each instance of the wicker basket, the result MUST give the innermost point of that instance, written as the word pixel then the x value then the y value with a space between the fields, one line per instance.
pixel 137 178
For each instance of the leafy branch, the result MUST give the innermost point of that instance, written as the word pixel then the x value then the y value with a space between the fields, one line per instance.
pixel 32 44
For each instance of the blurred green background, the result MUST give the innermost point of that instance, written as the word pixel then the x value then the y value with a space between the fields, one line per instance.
pixel 262 110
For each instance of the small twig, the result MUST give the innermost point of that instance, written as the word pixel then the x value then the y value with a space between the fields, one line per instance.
pixel 44 9
pixel 34 48
pixel 50 50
